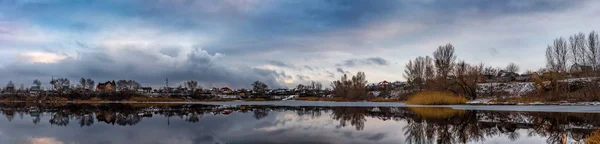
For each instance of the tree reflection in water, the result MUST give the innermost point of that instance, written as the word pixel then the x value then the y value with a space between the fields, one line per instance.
pixel 423 125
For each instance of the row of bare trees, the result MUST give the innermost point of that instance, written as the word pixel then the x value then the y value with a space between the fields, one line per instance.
pixel 580 49
pixel 575 56
pixel 443 72
pixel 312 89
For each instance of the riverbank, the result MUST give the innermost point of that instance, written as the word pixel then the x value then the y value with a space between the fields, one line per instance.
pixel 478 102
pixel 521 101
pixel 523 108
pixel 166 99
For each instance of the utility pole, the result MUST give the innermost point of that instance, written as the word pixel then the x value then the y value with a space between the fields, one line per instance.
pixel 167 86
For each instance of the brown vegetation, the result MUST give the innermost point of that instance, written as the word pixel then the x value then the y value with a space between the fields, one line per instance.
pixel 435 98
pixel 593 138
pixel 353 89
pixel 460 78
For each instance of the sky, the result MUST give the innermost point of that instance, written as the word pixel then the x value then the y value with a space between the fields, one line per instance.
pixel 280 42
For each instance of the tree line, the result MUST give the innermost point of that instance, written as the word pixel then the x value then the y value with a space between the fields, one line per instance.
pixel 443 72
pixel 575 56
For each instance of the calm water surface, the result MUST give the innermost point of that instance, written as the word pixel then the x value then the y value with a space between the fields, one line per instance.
pixel 196 124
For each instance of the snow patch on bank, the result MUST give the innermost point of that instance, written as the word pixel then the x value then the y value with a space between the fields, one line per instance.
pixel 510 89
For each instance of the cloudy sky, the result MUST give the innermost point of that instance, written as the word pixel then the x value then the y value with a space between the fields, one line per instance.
pixel 283 43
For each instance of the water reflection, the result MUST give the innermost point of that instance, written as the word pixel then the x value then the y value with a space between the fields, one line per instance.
pixel 416 125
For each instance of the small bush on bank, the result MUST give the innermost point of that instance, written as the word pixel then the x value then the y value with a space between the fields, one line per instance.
pixel 593 138
pixel 435 98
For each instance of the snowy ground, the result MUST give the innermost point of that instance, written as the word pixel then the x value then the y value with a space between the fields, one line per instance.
pixel 486 101
pixel 582 109
pixel 511 89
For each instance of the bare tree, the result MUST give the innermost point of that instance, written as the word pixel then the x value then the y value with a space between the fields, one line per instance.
pixel 300 87
pixel 490 71
pixel 82 83
pixel 593 54
pixel 191 85
pixel 260 88
pixel 128 85
pixel 340 87
pixel 418 71
pixel 556 55
pixel 316 87
pixel 429 68
pixel 444 60
pixel 466 80
pixel 121 85
pixel 351 89
pixel 413 72
pixel 10 86
pixel 60 83
pixel 37 83
pixel 133 85
pixel 512 67
pixel 577 48
pixel 90 83
pixel 358 90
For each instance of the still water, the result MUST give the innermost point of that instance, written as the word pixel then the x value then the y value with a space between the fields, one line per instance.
pixel 196 124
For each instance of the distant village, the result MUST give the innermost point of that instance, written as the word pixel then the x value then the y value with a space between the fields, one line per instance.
pixel 190 90
pixel 182 91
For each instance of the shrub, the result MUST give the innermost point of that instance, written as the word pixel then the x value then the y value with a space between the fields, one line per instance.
pixel 435 98
pixel 593 138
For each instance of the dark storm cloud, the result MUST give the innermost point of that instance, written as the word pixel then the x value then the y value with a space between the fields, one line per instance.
pixel 330 74
pixel 146 68
pixel 340 70
pixel 302 77
pixel 375 137
pixel 366 61
pixel 280 25
pixel 308 68
pixel 280 64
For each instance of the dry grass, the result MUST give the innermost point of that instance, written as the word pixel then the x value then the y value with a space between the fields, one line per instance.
pixel 435 98
pixel 593 138
pixel 384 100
pixel 438 113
